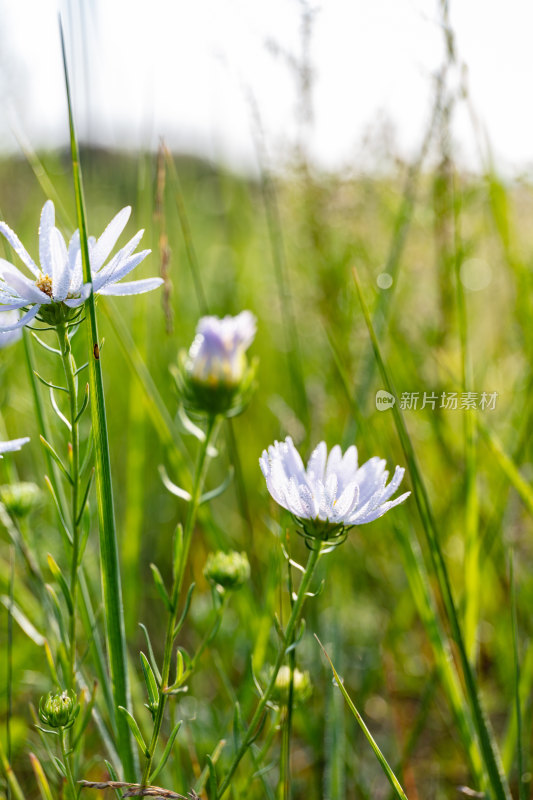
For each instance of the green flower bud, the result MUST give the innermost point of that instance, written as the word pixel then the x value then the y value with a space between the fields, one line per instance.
pixel 228 570
pixel 59 710
pixel 301 686
pixel 20 498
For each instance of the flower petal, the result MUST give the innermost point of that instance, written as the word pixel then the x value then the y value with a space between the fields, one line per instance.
pixel 26 288
pixel 125 267
pixel 74 302
pixel 370 516
pixel 108 239
pixel 13 445
pixel 27 317
pixel 108 272
pixel 60 265
pixel 132 287
pixel 45 230
pixel 317 462
pixel 19 248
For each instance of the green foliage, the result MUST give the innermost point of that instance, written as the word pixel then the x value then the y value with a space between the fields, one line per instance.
pixel 382 595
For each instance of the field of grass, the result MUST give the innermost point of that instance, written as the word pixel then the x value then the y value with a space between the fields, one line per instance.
pixel 456 318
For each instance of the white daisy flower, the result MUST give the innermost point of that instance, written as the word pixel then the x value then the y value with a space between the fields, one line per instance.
pixel 333 493
pixel 11 446
pixel 56 287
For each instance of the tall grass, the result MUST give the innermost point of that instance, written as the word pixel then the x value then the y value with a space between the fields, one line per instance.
pixel 415 612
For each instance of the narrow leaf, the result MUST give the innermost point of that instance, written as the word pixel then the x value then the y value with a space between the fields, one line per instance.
pixel 166 753
pixel 205 498
pixel 150 681
pixel 393 780
pixel 40 777
pixel 171 487
pixel 84 403
pixel 85 497
pixel 185 611
pixel 57 459
pixel 46 346
pixel 58 575
pixel 153 662
pixel 160 586
pixel 64 525
pixel 134 728
pixel 22 620
pixel 50 385
pixel 58 411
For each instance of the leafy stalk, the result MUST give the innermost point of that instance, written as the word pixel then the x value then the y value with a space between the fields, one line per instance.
pixel 199 477
pixel 251 732
pixel 70 370
pixel 66 752
pixel 114 613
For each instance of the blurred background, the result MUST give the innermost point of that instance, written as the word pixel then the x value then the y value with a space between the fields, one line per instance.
pixel 325 75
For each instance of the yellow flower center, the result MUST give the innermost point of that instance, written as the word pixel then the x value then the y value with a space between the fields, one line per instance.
pixel 44 283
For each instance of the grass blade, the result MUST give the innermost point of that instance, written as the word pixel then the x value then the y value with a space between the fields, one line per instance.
pixel 40 777
pixel 394 782
pixel 522 790
pixel 114 613
pixel 497 780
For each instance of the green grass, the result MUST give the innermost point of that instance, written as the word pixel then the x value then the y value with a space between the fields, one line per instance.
pixel 289 257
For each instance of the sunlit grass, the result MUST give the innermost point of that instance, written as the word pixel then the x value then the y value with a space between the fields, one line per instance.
pixel 381 615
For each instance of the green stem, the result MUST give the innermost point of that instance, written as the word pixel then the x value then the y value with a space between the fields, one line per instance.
pixel 72 384
pixel 285 756
pixel 111 583
pixel 294 619
pixel 66 762
pixel 41 418
pixel 198 483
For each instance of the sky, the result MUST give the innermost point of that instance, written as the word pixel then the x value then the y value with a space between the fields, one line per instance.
pixel 202 73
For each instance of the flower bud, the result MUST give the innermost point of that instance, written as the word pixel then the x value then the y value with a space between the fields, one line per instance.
pixel 20 498
pixel 59 710
pixel 301 686
pixel 228 570
pixel 215 372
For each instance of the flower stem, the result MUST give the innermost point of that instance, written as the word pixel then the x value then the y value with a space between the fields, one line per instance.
pixel 66 762
pixel 285 756
pixel 72 384
pixel 199 477
pixel 290 630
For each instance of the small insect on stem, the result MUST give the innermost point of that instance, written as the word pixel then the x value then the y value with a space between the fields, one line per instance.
pixel 96 351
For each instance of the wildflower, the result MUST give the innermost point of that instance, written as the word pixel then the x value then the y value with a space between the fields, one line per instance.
pixel 10 337
pixel 59 710
pixel 227 570
pixel 20 498
pixel 56 287
pixel 301 686
pixel 14 444
pixel 215 377
pixel 333 493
